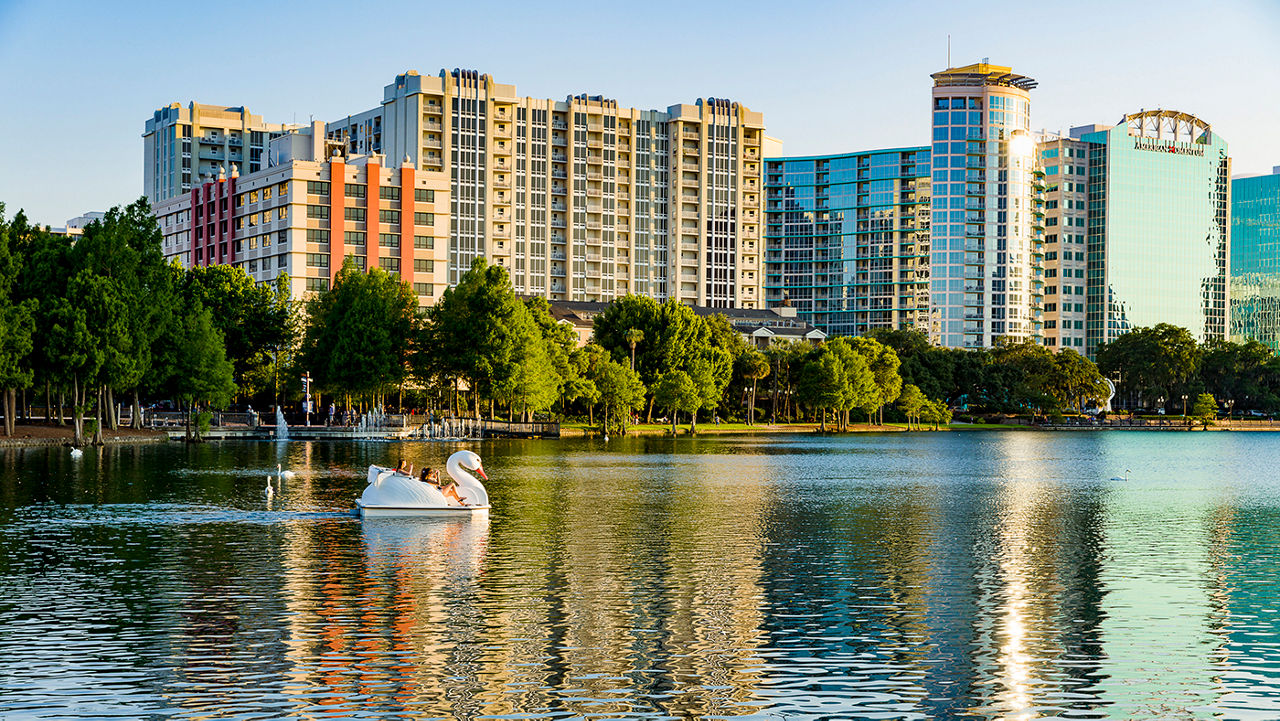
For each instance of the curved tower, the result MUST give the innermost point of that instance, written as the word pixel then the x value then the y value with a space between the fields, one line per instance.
pixel 984 264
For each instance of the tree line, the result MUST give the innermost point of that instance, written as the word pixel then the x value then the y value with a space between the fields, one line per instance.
pixel 100 320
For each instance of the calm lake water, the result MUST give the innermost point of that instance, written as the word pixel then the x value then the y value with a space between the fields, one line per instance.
pixel 993 575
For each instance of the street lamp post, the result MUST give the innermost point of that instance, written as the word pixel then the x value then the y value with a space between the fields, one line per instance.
pixel 1184 406
pixel 1231 405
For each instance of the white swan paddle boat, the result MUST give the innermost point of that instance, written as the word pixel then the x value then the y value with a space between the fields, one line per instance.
pixel 392 493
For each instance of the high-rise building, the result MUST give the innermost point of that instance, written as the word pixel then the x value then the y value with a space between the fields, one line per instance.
pixel 184 147
pixel 985 254
pixel 316 205
pixel 583 199
pixel 1255 259
pixel 1158 226
pixel 1065 160
pixel 847 239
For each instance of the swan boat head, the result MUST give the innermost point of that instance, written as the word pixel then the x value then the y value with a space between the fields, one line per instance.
pixel 468 461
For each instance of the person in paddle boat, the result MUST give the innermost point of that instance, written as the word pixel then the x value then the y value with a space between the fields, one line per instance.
pixel 448 488
pixel 404 468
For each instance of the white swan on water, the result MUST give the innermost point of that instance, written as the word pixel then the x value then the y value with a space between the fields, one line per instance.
pixel 76 453
pixel 1126 476
pixel 391 493
pixel 269 491
pixel 284 475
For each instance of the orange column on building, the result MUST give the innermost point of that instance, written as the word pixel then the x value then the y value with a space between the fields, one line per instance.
pixel 373 180
pixel 337 212
pixel 407 207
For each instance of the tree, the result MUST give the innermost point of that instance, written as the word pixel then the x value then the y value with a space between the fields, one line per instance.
pixel 911 402
pixel 359 334
pixel 633 336
pixel 754 367
pixel 621 392
pixel 1205 409
pixel 1077 380
pixel 481 332
pixel 883 363
pixel 676 391
pixel 1157 361
pixel 17 326
pixel 255 319
pixel 821 383
pixel 710 369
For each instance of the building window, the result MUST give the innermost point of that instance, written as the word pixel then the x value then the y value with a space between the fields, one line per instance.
pixel 355 190
pixel 282 261
pixel 424 195
pixel 424 241
pixel 389 192
pixel 422 288
pixel 283 212
pixel 317 187
pixel 356 214
pixel 389 240
pixel 317 260
pixel 423 265
pixel 317 285
pixel 389 216
pixel 283 188
pixel 391 265
pixel 318 211
pixel 353 237
pixel 359 261
pixel 315 235
pixel 424 218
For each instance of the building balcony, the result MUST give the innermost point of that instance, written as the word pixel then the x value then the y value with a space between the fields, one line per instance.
pixel 502 130
pixel 560 207
pixel 559 158
pixel 433 108
pixel 559 174
pixel 595 144
pixel 502 183
pixel 433 144
pixel 559 125
pixel 433 125
pixel 558 191
pixel 560 142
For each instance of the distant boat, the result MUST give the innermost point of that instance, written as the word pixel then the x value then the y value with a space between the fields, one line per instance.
pixel 1126 476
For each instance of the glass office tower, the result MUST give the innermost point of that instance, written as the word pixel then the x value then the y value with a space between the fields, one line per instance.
pixel 1158 227
pixel 986 234
pixel 1255 259
pixel 847 239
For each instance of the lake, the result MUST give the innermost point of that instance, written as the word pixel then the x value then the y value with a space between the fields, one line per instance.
pixel 985 574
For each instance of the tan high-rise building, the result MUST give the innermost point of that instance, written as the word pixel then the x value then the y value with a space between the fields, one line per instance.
pixel 1066 211
pixel 184 147
pixel 583 199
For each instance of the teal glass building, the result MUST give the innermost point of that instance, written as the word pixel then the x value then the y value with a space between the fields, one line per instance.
pixel 1158 227
pixel 847 239
pixel 1255 259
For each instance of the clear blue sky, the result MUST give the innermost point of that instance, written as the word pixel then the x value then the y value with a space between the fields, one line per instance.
pixel 79 79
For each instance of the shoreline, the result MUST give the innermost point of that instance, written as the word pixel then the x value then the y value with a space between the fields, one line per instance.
pixel 37 436
pixel 46 436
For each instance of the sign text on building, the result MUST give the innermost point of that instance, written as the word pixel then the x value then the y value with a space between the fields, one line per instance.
pixel 1167 147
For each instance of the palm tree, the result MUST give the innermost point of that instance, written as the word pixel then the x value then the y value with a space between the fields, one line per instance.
pixel 755 367
pixel 633 336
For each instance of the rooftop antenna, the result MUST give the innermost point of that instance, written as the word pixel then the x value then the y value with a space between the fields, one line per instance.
pixel 948 49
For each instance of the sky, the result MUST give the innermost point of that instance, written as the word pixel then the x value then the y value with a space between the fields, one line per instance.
pixel 78 80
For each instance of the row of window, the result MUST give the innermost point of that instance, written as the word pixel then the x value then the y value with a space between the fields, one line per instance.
pixel 358 215
pixel 359 190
